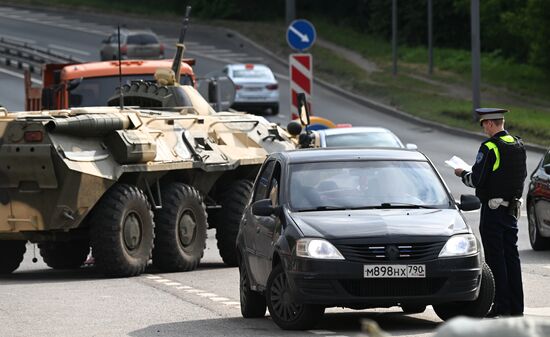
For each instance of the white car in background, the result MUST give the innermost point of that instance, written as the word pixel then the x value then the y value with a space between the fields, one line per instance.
pixel 256 89
pixel 360 137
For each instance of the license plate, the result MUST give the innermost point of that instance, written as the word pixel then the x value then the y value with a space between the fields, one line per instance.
pixel 394 271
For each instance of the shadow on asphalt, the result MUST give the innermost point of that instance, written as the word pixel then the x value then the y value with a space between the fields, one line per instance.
pixel 47 275
pixel 349 323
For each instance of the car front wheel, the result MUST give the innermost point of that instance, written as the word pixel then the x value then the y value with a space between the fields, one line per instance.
pixel 286 313
pixel 477 308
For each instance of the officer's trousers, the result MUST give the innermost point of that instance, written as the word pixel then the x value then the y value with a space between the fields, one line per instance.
pixel 499 234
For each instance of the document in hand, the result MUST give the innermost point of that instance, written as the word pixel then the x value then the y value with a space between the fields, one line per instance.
pixel 457 162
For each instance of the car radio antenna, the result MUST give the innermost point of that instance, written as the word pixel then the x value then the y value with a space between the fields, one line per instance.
pixel 180 47
pixel 121 99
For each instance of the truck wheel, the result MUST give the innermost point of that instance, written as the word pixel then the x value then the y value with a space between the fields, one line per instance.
pixel 275 109
pixel 64 255
pixel 233 203
pixel 12 254
pixel 286 313
pixel 180 229
pixel 122 231
pixel 538 242
pixel 252 303
pixel 477 308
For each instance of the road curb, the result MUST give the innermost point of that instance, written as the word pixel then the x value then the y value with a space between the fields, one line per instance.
pixel 369 103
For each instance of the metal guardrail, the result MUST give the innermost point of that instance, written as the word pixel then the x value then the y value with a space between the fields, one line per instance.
pixel 26 57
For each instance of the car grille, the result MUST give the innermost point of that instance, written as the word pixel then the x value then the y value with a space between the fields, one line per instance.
pixel 385 287
pixel 398 251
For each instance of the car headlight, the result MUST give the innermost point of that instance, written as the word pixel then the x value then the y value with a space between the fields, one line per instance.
pixel 317 249
pixel 460 245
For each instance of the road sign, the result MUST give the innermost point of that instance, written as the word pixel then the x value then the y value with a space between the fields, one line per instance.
pixel 300 35
pixel 301 79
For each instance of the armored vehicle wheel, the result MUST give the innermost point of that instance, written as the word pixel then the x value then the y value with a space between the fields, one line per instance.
pixel 227 221
pixel 180 229
pixel 413 308
pixel 11 253
pixel 122 231
pixel 286 313
pixel 64 255
pixel 478 308
pixel 252 303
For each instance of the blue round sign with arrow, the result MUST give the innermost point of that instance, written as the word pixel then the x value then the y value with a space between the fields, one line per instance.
pixel 300 35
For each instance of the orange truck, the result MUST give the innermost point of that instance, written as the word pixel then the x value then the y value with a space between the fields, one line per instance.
pixel 71 85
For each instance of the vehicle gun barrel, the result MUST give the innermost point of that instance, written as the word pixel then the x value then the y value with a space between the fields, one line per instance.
pixel 176 65
pixel 88 125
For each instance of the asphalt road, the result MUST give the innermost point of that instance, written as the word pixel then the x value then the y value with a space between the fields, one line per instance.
pixel 41 302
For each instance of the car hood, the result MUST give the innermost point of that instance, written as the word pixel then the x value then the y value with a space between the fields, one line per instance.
pixel 380 222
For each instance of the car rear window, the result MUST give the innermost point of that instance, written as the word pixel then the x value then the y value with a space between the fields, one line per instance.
pixel 253 73
pixel 142 39
pixel 358 184
pixel 362 139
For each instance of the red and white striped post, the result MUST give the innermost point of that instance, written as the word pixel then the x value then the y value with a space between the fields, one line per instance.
pixel 301 80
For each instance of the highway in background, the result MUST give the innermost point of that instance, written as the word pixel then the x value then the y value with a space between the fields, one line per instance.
pixel 39 301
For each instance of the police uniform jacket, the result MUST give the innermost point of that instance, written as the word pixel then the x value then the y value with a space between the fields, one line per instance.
pixel 500 168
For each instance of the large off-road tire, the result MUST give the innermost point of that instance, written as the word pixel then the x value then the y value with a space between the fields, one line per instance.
pixel 11 255
pixel 122 231
pixel 538 242
pixel 253 304
pixel 286 313
pixel 478 308
pixel 64 255
pixel 233 203
pixel 180 229
pixel 413 308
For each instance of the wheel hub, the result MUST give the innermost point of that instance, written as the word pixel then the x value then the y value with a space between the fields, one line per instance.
pixel 132 231
pixel 187 228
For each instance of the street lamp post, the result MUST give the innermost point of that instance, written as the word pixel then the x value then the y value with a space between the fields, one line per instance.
pixel 430 39
pixel 394 36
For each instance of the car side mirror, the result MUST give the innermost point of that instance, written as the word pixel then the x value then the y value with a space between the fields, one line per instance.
pixel 264 208
pixel 469 203
pixel 411 146
pixel 547 168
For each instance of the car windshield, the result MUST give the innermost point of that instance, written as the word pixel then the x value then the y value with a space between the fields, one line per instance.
pixel 362 139
pixel 96 91
pixel 256 72
pixel 365 184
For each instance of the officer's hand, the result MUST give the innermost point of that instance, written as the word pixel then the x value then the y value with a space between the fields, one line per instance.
pixel 458 171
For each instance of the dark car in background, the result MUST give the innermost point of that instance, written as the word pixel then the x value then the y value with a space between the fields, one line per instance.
pixel 134 44
pixel 357 228
pixel 538 205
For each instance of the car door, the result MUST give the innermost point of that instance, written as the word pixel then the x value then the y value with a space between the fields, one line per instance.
pixel 267 227
pixel 251 222
pixel 541 193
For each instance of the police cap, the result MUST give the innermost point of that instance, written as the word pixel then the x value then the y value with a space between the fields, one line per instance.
pixel 490 113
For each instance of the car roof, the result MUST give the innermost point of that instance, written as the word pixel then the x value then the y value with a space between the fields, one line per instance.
pixel 354 129
pixel 238 66
pixel 127 31
pixel 341 154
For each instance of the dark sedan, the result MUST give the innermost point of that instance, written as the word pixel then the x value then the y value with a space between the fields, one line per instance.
pixel 357 228
pixel 538 205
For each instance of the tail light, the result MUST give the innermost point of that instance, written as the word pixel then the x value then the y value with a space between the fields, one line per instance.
pixel 272 86
pixel 294 116
pixel 33 136
pixel 238 87
pixel 162 48
pixel 124 49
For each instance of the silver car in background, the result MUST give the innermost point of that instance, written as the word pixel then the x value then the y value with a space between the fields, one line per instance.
pixel 134 44
pixel 361 137
pixel 256 88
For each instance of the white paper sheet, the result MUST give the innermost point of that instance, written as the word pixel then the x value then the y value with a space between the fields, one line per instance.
pixel 457 162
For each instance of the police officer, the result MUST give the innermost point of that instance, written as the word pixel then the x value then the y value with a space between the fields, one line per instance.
pixel 498 176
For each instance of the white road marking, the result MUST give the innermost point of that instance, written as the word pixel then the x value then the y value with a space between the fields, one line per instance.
pixel 70 50
pixel 153 277
pixel 207 295
pixel 18 39
pixel 162 281
pixel 543 311
pixel 18 75
pixel 219 299
pixel 321 332
pixel 173 284
pixel 184 287
pixel 194 291
pixel 547 267
pixel 231 303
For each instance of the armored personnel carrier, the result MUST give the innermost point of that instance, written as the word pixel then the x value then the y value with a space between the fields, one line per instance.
pixel 131 183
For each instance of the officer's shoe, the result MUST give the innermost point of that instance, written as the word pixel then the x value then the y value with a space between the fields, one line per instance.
pixel 496 313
